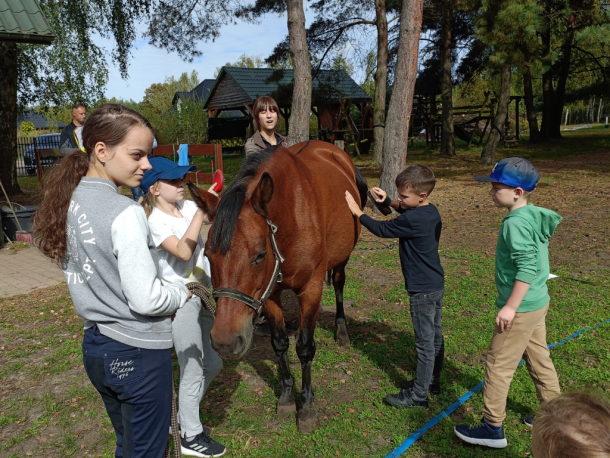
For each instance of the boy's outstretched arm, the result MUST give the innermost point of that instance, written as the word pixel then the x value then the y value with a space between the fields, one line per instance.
pixel 506 315
pixel 353 206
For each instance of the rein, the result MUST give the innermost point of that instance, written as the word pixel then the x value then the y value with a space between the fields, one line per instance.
pixel 276 277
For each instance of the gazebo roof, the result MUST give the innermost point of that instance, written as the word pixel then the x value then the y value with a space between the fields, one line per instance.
pixel 22 21
pixel 236 87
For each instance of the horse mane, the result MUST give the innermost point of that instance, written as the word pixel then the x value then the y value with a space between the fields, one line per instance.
pixel 233 198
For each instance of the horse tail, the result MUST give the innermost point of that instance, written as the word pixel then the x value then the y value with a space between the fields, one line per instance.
pixel 362 186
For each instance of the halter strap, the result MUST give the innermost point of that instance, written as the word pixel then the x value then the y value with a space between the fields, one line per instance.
pixel 276 277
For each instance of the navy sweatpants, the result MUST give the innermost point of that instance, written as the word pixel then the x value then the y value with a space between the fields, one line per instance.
pixel 135 384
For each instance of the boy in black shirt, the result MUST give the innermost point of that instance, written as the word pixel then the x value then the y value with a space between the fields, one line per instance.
pixel 418 228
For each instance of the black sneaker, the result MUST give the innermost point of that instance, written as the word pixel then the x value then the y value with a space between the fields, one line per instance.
pixel 434 388
pixel 529 420
pixel 405 399
pixel 202 446
pixel 481 434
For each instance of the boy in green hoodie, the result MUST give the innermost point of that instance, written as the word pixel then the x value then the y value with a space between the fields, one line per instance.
pixel 522 269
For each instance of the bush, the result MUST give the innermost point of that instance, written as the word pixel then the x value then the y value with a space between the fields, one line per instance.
pixel 187 123
pixel 27 127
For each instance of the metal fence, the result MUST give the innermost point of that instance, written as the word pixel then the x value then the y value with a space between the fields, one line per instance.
pixel 47 147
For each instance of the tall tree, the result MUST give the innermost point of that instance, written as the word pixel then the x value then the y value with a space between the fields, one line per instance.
pixel 298 130
pixel 71 69
pixel 510 29
pixel 381 79
pixel 489 152
pixel 401 103
pixel 8 115
pixel 530 110
pixel 447 143
pixel 341 22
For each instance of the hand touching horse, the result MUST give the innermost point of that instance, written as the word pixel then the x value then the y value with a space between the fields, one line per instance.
pixel 284 210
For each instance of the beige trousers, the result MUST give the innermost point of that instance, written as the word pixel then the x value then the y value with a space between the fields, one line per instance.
pixel 526 338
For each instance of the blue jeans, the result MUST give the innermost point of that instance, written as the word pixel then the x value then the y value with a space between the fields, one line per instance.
pixel 136 387
pixel 426 313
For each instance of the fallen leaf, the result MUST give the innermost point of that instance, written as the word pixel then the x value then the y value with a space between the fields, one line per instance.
pixel 351 410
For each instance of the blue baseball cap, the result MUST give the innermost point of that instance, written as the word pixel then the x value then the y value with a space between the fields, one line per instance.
pixel 163 169
pixel 515 172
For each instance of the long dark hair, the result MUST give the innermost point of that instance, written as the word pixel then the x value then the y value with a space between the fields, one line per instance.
pixel 109 124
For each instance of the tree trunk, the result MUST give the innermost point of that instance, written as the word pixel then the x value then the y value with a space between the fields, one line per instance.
pixel 8 117
pixel 299 53
pixel 529 106
pixel 488 155
pixel 560 91
pixel 447 143
pixel 399 113
pixel 381 80
pixel 548 96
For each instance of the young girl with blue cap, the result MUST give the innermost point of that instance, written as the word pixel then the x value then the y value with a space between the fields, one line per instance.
pixel 175 225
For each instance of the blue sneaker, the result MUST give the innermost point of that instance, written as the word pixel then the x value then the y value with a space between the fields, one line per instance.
pixel 481 434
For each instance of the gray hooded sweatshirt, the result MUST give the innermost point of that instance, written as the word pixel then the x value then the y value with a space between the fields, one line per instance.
pixel 111 268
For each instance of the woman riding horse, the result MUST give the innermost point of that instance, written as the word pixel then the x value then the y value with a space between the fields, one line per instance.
pixel 281 225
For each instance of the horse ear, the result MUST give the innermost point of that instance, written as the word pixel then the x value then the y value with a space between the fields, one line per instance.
pixel 262 194
pixel 207 202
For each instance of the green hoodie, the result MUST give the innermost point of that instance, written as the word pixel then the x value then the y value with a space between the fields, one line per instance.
pixel 522 254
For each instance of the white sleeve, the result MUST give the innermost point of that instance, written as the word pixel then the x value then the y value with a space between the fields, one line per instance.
pixel 159 230
pixel 138 272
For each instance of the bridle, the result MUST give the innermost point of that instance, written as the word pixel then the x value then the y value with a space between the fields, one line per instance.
pixel 276 277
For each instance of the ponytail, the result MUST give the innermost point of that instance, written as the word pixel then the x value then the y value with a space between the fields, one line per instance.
pixel 149 201
pixel 50 219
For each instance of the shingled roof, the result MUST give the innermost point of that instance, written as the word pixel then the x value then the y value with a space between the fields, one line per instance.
pixel 40 121
pixel 22 21
pixel 236 87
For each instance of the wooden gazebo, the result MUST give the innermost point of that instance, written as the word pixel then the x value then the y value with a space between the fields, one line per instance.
pixel 333 94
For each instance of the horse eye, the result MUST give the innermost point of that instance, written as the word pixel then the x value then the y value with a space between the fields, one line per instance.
pixel 259 257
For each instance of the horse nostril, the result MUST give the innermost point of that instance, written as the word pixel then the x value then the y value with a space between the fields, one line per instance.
pixel 240 343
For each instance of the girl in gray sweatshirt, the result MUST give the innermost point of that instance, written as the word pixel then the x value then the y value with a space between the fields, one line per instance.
pixel 103 243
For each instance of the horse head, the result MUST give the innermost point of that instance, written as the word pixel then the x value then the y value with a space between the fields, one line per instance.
pixel 241 257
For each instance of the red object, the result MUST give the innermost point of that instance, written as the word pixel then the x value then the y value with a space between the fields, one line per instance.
pixel 218 180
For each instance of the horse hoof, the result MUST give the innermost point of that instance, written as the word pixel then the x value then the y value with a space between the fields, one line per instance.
pixel 286 409
pixel 342 337
pixel 307 420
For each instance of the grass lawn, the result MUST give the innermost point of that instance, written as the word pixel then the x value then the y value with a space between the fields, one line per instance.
pixel 49 409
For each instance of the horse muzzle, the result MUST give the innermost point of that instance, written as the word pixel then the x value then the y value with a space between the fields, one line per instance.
pixel 233 345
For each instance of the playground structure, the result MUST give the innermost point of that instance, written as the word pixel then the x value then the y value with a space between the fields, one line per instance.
pixel 427 116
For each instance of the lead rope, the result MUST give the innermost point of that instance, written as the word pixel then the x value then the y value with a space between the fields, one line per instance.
pixel 204 294
pixel 175 428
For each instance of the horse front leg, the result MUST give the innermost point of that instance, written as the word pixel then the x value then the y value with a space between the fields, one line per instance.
pixel 286 405
pixel 341 337
pixel 309 297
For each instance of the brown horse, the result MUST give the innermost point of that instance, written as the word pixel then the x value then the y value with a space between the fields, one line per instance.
pixel 300 193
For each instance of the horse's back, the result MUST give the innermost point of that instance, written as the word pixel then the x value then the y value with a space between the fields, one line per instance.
pixel 331 168
pixel 332 173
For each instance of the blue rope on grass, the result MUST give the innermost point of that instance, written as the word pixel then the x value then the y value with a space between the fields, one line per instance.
pixel 409 441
